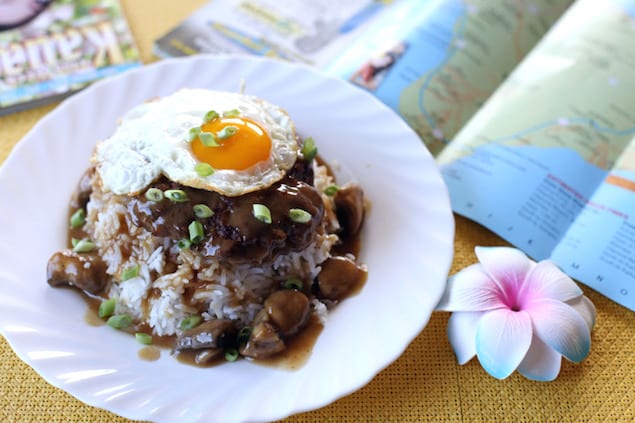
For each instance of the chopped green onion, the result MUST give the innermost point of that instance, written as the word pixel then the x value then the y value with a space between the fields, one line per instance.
pixel 193 133
pixel 154 194
pixel 78 218
pixel 226 132
pixel 231 113
pixel 190 322
pixel 184 244
pixel 176 195
pixel 196 232
pixel 83 245
pixel 204 169
pixel 231 354
pixel 262 213
pixel 331 190
pixel 299 215
pixel 202 211
pixel 119 321
pixel 293 283
pixel 143 338
pixel 211 115
pixel 106 308
pixel 243 335
pixel 309 150
pixel 129 273
pixel 208 139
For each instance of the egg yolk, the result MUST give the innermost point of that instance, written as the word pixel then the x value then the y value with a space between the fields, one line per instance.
pixel 248 146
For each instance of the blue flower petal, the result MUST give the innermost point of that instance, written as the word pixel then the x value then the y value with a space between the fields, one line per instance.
pixel 471 289
pixel 542 363
pixel 561 327
pixel 502 340
pixel 507 266
pixel 462 334
pixel 585 308
pixel 546 280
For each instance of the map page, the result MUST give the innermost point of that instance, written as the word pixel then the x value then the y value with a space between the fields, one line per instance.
pixel 548 162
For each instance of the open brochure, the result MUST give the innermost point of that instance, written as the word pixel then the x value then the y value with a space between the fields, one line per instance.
pixel 51 48
pixel 527 105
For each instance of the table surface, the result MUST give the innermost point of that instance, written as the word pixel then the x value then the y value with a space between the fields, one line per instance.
pixel 426 383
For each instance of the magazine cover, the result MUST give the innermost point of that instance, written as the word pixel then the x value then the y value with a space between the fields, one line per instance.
pixel 51 48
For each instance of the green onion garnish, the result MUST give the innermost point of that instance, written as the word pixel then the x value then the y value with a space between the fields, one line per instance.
pixel 143 338
pixel 262 213
pixel 203 169
pixel 119 321
pixel 309 150
pixel 106 308
pixel 129 273
pixel 78 218
pixel 154 194
pixel 293 283
pixel 83 245
pixel 176 195
pixel 231 113
pixel 226 132
pixel 208 139
pixel 193 133
pixel 190 322
pixel 231 354
pixel 243 335
pixel 211 115
pixel 331 190
pixel 202 211
pixel 183 244
pixel 299 215
pixel 196 232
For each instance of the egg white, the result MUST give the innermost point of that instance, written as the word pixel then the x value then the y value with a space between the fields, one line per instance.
pixel 152 139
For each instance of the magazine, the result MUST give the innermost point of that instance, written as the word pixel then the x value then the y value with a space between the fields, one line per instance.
pixel 51 48
pixel 527 105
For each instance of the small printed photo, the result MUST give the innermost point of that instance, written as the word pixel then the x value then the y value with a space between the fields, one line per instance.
pixel 15 13
pixel 372 72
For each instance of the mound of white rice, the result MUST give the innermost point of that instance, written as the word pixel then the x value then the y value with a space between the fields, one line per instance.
pixel 156 295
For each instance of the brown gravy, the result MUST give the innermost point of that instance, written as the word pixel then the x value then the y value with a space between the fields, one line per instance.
pixel 299 347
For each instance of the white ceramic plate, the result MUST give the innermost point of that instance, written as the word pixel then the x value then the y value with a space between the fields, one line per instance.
pixel 407 245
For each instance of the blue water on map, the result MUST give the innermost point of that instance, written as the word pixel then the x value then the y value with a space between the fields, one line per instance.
pixel 427 30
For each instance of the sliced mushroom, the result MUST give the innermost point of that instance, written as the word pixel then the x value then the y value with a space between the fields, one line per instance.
pixel 339 275
pixel 349 206
pixel 263 342
pixel 84 189
pixel 85 271
pixel 211 334
pixel 207 355
pixel 288 310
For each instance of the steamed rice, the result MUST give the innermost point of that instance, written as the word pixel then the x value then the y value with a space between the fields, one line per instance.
pixel 233 292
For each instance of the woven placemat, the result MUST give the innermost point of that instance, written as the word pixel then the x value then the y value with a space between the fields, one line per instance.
pixel 425 384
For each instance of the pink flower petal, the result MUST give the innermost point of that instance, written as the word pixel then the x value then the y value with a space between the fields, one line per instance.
pixel 585 307
pixel 561 327
pixel 471 289
pixel 502 340
pixel 546 280
pixel 508 267
pixel 462 334
pixel 542 363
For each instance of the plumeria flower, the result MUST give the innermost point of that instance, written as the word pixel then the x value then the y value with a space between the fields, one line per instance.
pixel 516 314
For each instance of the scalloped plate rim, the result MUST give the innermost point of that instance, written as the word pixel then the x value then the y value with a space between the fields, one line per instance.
pixel 85 95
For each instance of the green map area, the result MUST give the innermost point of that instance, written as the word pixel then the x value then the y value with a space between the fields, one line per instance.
pixel 574 90
pixel 490 38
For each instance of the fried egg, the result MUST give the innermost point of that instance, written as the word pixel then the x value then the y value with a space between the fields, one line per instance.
pixel 225 142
